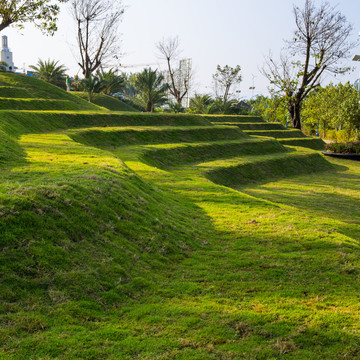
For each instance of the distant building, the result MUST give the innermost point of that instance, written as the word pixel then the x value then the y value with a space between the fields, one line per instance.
pixel 6 54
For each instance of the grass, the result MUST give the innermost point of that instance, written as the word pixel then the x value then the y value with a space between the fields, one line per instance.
pixel 311 143
pixel 174 155
pixel 155 135
pixel 15 89
pixel 105 256
pixel 106 101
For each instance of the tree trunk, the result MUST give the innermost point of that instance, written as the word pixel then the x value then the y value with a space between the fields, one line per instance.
pixel 294 110
pixel 149 106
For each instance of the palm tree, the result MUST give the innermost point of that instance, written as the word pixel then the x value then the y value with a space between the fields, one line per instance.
pixel 226 107
pixel 199 104
pixel 92 85
pixel 152 88
pixel 50 71
pixel 112 82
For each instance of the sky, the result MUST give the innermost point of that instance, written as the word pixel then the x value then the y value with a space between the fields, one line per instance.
pixel 227 32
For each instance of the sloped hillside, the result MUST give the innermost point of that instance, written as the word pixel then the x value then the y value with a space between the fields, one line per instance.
pixel 20 92
pixel 107 102
pixel 147 236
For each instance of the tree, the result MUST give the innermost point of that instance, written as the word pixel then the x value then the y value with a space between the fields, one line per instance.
pixel 97 37
pixel 91 85
pixel 228 107
pixel 179 83
pixel 112 82
pixel 334 107
pixel 3 66
pixel 50 71
pixel 152 88
pixel 42 13
pixel 200 104
pixel 226 77
pixel 319 44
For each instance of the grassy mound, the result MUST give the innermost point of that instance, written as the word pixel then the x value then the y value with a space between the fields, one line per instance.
pixel 260 126
pixel 22 92
pixel 166 156
pixel 16 92
pixel 233 118
pixel 39 104
pixel 79 231
pixel 311 143
pixel 106 101
pixel 15 123
pixel 265 168
pixel 156 135
pixel 278 134
pixel 104 256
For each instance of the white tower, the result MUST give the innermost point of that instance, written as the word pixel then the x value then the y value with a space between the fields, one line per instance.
pixel 6 54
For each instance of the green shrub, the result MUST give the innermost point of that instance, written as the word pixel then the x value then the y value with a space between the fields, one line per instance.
pixel 351 147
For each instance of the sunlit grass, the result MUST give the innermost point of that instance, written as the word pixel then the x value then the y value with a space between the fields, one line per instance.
pixel 104 256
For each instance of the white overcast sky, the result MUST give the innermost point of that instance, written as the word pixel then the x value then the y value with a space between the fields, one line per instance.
pixel 211 32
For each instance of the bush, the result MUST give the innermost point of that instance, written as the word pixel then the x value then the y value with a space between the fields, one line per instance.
pixel 351 147
pixel 341 135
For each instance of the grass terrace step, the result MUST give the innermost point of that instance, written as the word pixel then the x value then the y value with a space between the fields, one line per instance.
pixel 20 122
pixel 163 156
pixel 40 104
pixel 234 118
pixel 259 169
pixel 311 143
pixel 260 126
pixel 113 137
pixel 106 101
pixel 16 92
pixel 290 133
pixel 39 90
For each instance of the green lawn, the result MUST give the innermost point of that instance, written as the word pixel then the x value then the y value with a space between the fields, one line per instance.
pixel 103 255
pixel 271 271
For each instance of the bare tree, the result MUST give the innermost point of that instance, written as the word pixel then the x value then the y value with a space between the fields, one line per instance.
pixel 319 44
pixel 225 78
pixel 179 85
pixel 97 24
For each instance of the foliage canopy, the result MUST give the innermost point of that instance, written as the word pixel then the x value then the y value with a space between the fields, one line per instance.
pixel 42 13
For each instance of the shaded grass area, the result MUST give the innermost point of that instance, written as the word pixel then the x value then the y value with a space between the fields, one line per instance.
pixel 39 104
pixel 106 257
pixel 155 135
pixel 260 126
pixel 233 118
pixel 15 123
pixel 81 234
pixel 289 133
pixel 106 101
pixel 16 92
pixel 274 281
pixel 167 156
pixel 263 281
pixel 311 143
pixel 264 168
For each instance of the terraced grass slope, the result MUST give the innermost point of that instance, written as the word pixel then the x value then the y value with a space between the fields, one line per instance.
pixel 255 126
pixel 135 236
pixel 107 102
pixel 20 92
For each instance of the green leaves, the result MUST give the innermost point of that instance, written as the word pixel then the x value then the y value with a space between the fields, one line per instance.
pixel 335 106
pixel 43 14
pixel 225 77
pixel 152 88
pixel 50 71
